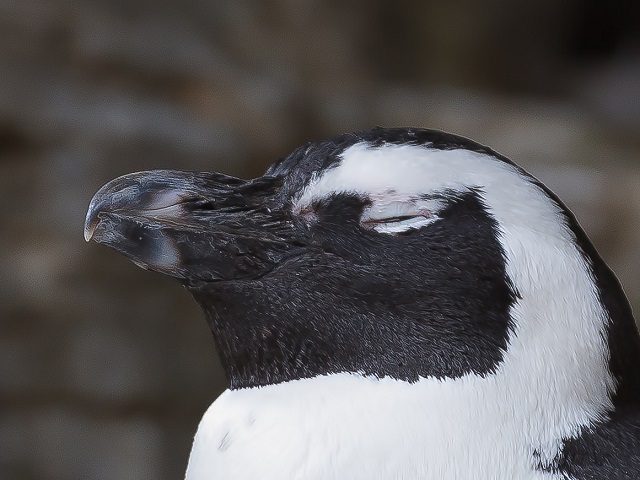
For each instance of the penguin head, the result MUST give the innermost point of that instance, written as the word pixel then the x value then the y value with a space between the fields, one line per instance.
pixel 399 253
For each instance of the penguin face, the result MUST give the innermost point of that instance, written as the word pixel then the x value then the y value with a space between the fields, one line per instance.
pixel 400 253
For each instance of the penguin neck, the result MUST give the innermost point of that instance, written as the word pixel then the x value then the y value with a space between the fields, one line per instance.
pixel 554 380
pixel 557 362
pixel 623 338
pixel 560 331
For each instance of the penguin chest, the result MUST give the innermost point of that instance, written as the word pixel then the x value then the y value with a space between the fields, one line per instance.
pixel 328 428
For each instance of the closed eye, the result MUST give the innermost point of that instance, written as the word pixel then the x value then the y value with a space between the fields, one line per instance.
pixel 393 213
pixel 370 222
pixel 398 224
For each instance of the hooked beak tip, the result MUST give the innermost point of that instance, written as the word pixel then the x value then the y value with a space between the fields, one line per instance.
pixel 91 220
pixel 88 231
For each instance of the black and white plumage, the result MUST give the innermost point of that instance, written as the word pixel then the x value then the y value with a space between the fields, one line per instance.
pixel 392 304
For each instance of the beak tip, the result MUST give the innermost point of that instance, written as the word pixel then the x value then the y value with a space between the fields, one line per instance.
pixel 88 233
pixel 91 220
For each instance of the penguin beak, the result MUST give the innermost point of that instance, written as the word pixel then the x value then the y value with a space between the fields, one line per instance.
pixel 192 225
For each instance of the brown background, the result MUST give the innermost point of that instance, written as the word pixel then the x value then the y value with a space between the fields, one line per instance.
pixel 105 369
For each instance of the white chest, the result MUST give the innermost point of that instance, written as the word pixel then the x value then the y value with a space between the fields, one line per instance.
pixel 349 427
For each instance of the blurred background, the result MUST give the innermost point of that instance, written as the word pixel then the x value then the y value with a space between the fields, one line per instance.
pixel 105 369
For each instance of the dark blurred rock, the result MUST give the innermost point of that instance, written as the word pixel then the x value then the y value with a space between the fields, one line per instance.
pixel 73 445
pixel 612 90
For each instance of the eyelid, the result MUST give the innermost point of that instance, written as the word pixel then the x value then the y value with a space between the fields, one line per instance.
pixel 399 215
pixel 400 218
pixel 410 223
pixel 382 210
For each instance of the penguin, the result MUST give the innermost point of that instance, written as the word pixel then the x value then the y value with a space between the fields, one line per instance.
pixel 387 304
